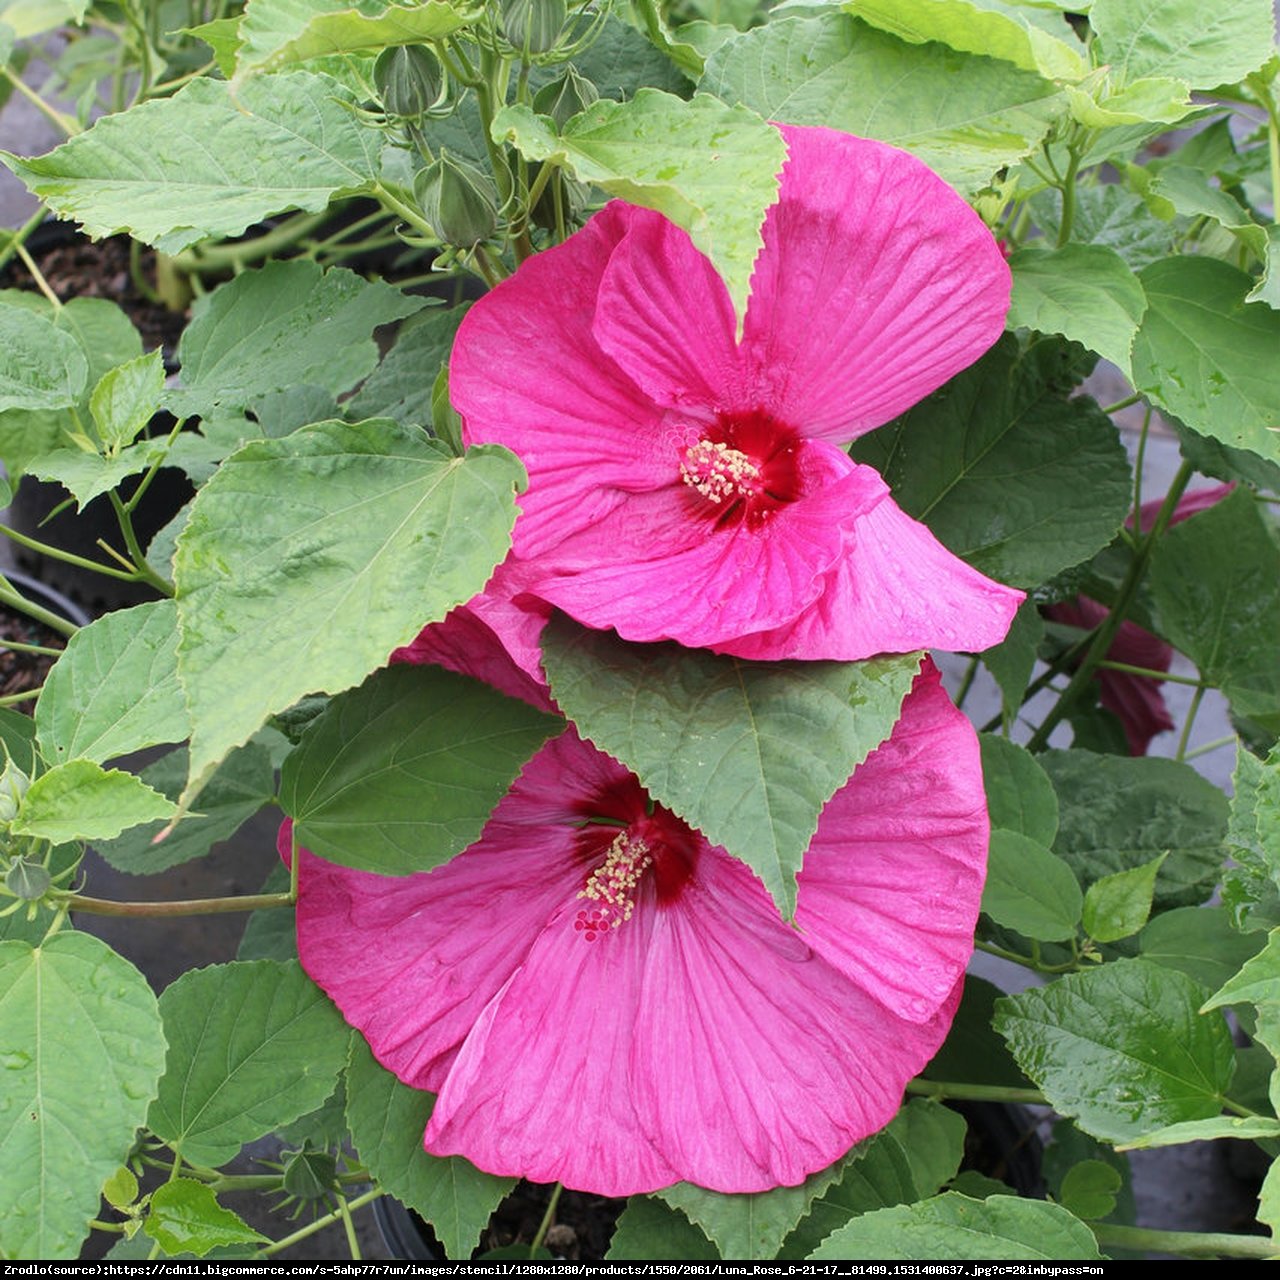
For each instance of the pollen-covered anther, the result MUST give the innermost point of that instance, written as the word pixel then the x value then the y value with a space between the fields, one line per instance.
pixel 718 471
pixel 612 886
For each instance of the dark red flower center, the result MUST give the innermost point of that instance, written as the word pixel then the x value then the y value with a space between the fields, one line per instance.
pixel 629 846
pixel 743 467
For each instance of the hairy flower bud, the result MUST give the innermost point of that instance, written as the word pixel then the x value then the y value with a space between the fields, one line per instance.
pixel 410 80
pixel 533 25
pixel 27 880
pixel 310 1174
pixel 565 97
pixel 13 786
pixel 459 201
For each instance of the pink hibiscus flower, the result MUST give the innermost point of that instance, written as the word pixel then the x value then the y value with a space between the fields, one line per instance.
pixel 599 996
pixel 1136 700
pixel 687 486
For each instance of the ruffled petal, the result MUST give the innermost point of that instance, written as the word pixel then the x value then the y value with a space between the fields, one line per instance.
pixel 659 570
pixel 703 1042
pixel 664 315
pixel 527 372
pixel 412 961
pixel 876 284
pixel 494 637
pixel 895 589
pixel 891 884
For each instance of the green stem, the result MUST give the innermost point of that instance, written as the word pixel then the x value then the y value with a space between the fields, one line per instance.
pixel 320 1223
pixel 182 907
pixel 404 211
pixel 1181 753
pixel 17 646
pixel 13 699
pixel 1027 962
pixel 1068 198
pixel 1107 629
pixel 63 122
pixel 68 557
pixel 944 1089
pixel 1107 665
pixel 22 234
pixel 38 276
pixel 1196 1244
pixel 1123 404
pixel 1045 678
pixel 1205 747
pixel 224 257
pixel 353 1244
pixel 966 682
pixel 1138 463
pixel 16 600
pixel 144 571
pixel 547 1219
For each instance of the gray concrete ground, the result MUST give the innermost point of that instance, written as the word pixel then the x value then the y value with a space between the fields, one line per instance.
pixel 1188 1188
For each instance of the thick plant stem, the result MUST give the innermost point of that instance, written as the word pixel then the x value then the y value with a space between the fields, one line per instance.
pixel 944 1089
pixel 1193 1244
pixel 181 907
pixel 16 600
pixel 1107 629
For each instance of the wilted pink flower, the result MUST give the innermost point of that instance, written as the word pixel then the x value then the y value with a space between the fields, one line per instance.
pixel 687 486
pixel 600 997
pixel 1136 700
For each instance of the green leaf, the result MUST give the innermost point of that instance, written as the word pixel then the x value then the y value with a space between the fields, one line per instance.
pixel 1121 1049
pixel 620 62
pixel 1215 582
pixel 83 1049
pixel 32 17
pixel 708 167
pixel 121 1189
pixel 912 1157
pixel 242 784
pixel 1020 796
pixel 751 1226
pixel 1029 889
pixel 1033 39
pixel 185 1217
pixel 1252 1128
pixel 1111 215
pixel 746 752
pixel 41 366
pixel 401 386
pixel 1089 1189
pixel 252 1046
pixel 1013 659
pixel 115 689
pixel 382 525
pixel 287 324
pixel 1258 981
pixel 1269 1198
pixel 173 171
pixel 1068 1148
pixel 400 774
pixel 1017 479
pixel 1204 353
pixel 1181 38
pixel 953 1226
pixel 964 116
pixel 387 1120
pixel 1151 100
pixel 1084 292
pixel 1117 906
pixel 1198 941
pixel 1253 838
pixel 1192 195
pixel 80 800
pixel 125 399
pixel 87 475
pixel 282 33
pixel 1117 813
pixel 222 35
pixel 652 1231
pixel 271 933
pixel 972 1051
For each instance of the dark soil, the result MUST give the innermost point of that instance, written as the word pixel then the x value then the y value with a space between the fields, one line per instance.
pixel 76 267
pixel 21 671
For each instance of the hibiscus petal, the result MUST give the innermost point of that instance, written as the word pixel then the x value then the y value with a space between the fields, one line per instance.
pixel 895 589
pixel 494 637
pixel 657 570
pixel 876 284
pixel 703 1042
pixel 413 960
pixel 664 315
pixel 526 372
pixel 891 883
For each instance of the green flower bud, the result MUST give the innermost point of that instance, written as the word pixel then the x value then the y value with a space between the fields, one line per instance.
pixel 565 97
pixel 13 786
pixel 533 25
pixel 310 1174
pixel 410 80
pixel 459 201
pixel 27 880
